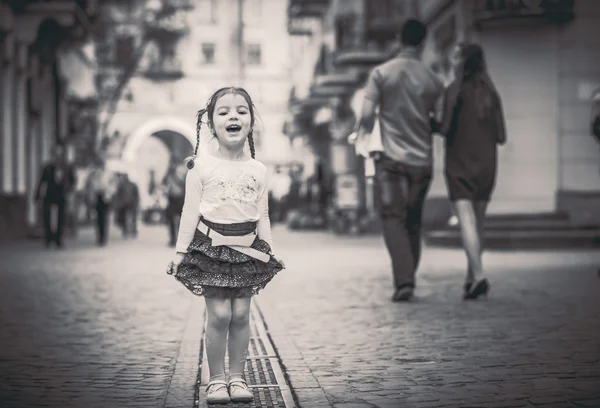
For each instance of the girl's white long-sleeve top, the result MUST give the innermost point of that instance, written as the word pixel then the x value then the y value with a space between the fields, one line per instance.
pixel 226 192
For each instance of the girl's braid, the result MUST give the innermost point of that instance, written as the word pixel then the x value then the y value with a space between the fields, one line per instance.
pixel 190 161
pixel 251 144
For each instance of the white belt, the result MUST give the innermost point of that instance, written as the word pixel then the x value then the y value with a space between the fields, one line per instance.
pixel 240 243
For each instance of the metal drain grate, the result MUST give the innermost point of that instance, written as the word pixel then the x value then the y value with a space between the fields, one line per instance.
pixel 262 372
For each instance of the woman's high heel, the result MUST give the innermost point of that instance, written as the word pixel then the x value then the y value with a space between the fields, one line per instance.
pixel 481 287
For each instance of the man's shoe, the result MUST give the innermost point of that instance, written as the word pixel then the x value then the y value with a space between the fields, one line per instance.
pixel 403 294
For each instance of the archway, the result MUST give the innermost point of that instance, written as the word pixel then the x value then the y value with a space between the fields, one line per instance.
pixel 171 124
pixel 151 148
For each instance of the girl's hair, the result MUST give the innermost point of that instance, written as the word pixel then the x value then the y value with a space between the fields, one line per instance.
pixel 210 110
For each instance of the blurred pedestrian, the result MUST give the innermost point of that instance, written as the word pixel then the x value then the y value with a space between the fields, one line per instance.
pixel 595 119
pixel 100 190
pixel 55 184
pixel 174 185
pixel 279 191
pixel 406 92
pixel 226 207
pixel 127 202
pixel 473 126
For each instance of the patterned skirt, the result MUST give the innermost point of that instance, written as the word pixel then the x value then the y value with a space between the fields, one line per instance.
pixel 222 271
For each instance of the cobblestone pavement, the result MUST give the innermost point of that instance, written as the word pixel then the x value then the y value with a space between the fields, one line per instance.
pixel 94 327
pixel 106 327
pixel 535 342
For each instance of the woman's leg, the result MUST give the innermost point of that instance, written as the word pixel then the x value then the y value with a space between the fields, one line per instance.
pixel 219 317
pixel 239 336
pixel 480 208
pixel 470 236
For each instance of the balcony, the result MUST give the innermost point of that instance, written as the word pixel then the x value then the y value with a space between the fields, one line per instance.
pixel 302 15
pixel 307 8
pixel 75 16
pixel 169 22
pixel 487 11
pixel 359 57
pixel 164 69
pixel 353 48
pixel 383 18
pixel 331 91
pixel 341 79
pixel 302 26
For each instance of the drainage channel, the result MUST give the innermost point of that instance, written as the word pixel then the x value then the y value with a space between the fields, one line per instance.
pixel 263 372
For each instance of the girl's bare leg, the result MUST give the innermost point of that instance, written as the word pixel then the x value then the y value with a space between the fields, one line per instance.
pixel 239 336
pixel 217 325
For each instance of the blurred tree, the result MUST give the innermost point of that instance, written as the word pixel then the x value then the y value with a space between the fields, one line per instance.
pixel 124 30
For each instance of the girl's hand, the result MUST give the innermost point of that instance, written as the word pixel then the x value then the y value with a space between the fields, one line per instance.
pixel 278 260
pixel 174 264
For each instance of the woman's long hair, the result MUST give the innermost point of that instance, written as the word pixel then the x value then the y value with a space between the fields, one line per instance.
pixel 474 70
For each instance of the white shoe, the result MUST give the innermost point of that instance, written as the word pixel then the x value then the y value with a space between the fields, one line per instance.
pixel 216 392
pixel 239 392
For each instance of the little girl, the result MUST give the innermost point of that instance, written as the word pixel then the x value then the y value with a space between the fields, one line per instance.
pixel 224 245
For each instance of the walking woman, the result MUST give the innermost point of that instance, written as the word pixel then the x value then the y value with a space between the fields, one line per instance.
pixel 474 126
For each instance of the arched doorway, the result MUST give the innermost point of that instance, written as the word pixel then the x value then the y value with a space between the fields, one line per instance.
pixel 151 148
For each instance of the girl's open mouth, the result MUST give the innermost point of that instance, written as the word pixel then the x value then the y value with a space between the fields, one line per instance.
pixel 233 128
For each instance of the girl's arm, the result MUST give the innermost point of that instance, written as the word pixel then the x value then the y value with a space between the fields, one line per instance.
pixel 264 223
pixel 190 215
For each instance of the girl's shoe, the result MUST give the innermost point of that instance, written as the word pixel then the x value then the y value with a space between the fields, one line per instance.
pixel 239 392
pixel 478 288
pixel 216 392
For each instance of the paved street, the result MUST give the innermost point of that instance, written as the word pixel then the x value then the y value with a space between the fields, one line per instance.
pixel 106 327
pixel 89 326
pixel 534 342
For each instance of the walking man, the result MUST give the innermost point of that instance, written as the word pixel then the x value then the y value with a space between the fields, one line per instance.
pixel 56 182
pixel 406 92
pixel 100 190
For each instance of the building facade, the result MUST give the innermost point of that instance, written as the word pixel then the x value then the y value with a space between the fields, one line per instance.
pixel 40 44
pixel 543 56
pixel 210 44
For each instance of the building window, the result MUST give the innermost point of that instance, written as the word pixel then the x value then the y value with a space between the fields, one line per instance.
pixel 252 12
pixel 253 54
pixel 208 53
pixel 207 9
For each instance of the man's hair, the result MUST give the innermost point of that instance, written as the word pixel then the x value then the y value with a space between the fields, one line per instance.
pixel 413 33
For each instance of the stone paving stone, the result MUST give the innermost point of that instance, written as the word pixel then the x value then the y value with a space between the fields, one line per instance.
pixel 106 327
pixel 89 326
pixel 183 384
pixel 533 339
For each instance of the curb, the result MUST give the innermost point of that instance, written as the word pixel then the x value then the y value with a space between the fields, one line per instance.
pixel 182 389
pixel 306 389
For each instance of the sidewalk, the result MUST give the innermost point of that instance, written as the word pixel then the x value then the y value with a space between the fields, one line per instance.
pixel 534 342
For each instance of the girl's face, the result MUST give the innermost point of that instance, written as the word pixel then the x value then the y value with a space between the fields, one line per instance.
pixel 231 119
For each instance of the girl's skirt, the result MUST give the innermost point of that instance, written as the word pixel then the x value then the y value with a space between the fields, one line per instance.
pixel 221 271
